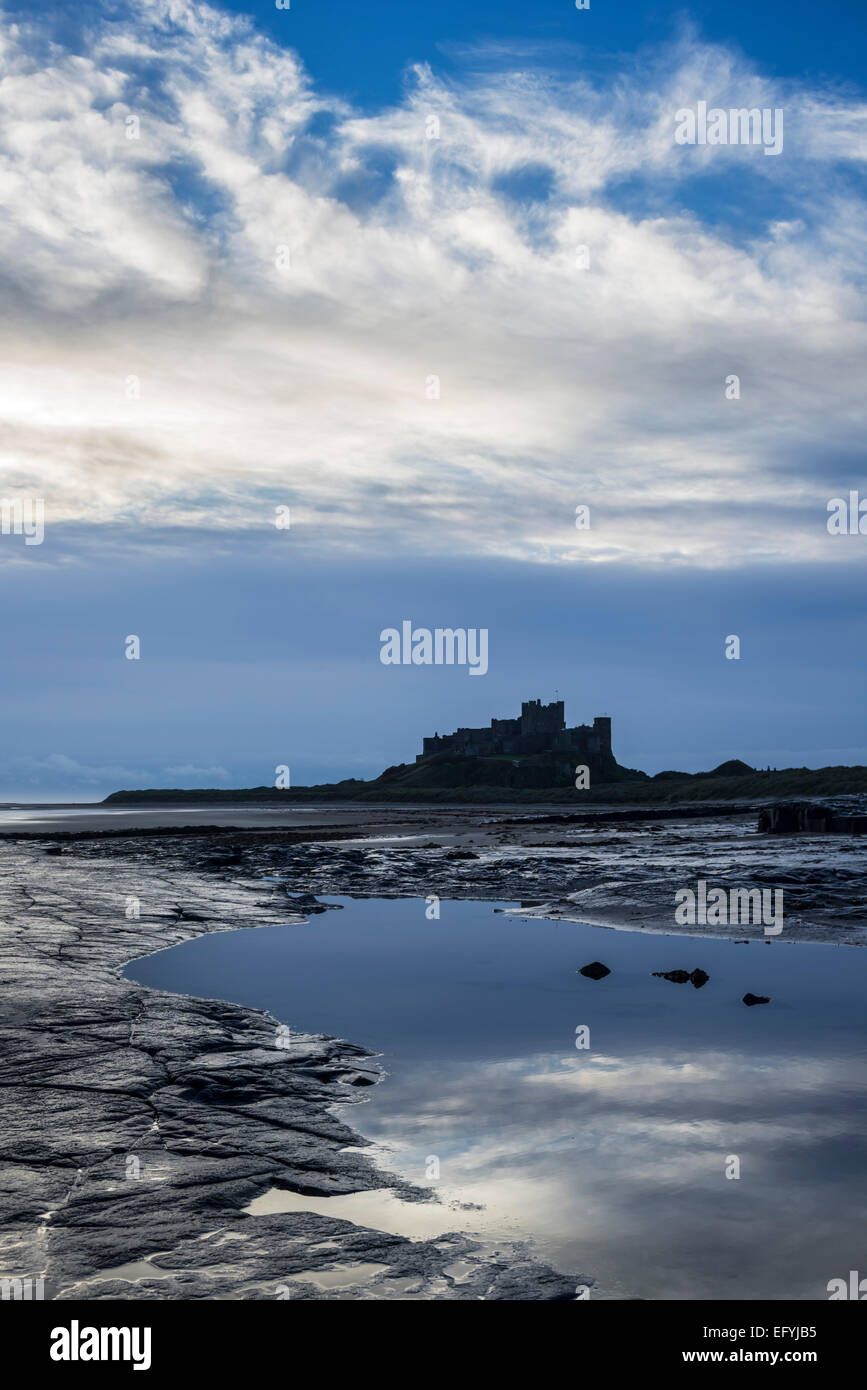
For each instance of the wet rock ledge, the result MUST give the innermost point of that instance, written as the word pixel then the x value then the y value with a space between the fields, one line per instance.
pixel 102 1079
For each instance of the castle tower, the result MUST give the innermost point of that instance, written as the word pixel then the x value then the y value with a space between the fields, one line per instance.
pixel 537 718
pixel 602 727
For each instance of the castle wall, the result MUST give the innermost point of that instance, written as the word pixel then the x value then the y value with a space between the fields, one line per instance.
pixel 540 729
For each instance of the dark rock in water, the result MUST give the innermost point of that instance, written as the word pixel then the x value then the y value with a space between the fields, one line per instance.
pixel 461 854
pixel 794 817
pixel 309 903
pixel 594 971
pixel 695 977
pixel 756 999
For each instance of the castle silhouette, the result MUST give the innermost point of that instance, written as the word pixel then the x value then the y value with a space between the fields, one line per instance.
pixel 540 729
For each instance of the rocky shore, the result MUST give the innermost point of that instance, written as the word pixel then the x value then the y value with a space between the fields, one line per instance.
pixel 138 1125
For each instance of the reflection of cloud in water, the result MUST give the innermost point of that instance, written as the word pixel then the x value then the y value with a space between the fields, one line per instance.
pixel 613 1159
pixel 619 1164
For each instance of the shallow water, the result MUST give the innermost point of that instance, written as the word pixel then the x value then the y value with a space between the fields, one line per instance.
pixel 611 1159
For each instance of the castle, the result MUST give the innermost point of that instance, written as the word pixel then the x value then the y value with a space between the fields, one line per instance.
pixel 540 729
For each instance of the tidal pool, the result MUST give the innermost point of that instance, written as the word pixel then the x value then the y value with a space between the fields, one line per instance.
pixel 612 1160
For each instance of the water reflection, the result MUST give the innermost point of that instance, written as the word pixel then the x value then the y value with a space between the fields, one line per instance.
pixel 612 1160
pixel 616 1166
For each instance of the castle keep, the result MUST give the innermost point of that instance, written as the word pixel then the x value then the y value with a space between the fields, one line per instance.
pixel 540 729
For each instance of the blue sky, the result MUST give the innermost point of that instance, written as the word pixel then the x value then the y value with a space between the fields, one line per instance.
pixel 237 253
pixel 361 51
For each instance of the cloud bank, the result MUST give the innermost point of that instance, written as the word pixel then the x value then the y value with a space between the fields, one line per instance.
pixel 436 329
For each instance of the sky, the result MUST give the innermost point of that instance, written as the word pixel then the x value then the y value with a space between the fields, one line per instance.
pixel 420 281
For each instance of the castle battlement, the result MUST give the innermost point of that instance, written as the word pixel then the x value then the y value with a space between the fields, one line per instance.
pixel 539 729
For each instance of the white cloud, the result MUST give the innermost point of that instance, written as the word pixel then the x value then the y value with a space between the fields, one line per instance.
pixel 155 258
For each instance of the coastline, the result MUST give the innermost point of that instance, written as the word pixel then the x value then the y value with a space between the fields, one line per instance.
pixel 196 1092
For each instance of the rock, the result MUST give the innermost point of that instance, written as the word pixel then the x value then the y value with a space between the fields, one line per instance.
pixel 681 977
pixel 594 971
pixel 756 999
pixel 309 904
pixel 219 858
pixel 793 817
pixel 154 1119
